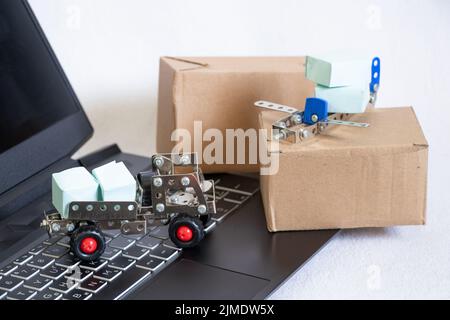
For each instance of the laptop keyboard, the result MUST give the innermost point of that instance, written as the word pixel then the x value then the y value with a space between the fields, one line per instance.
pixel 49 271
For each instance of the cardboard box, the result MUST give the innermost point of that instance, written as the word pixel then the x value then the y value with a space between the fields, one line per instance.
pixel 350 177
pixel 220 92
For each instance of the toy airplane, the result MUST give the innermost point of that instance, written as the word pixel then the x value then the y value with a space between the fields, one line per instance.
pixel 173 193
pixel 315 119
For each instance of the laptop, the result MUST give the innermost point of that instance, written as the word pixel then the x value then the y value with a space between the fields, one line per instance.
pixel 42 124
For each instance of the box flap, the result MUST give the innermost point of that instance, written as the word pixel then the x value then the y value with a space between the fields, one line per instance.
pixel 182 64
pixel 237 64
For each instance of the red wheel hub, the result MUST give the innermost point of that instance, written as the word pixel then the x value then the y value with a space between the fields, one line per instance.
pixel 184 233
pixel 88 245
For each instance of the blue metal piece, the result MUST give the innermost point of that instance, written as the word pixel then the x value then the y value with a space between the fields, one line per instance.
pixel 375 81
pixel 316 110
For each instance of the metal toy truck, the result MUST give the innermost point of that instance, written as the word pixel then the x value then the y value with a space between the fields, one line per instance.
pixel 174 192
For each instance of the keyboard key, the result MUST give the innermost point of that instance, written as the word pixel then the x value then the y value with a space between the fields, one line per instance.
pixel 21 294
pixel 64 241
pixel 47 295
pixel 163 252
pixel 120 287
pixel 25 272
pixel 68 261
pixel 110 253
pixel 78 274
pixel 38 283
pixel 223 208
pixel 23 259
pixel 55 251
pixel 52 240
pixel 93 265
pixel 150 263
pixel 219 193
pixel 9 283
pixel 244 185
pixel 134 236
pixel 148 242
pixel 160 232
pixel 121 243
pixel 135 252
pixel 7 269
pixel 54 272
pixel 169 243
pixel 63 286
pixel 78 294
pixel 38 249
pixel 236 197
pixel 2 294
pixel 40 262
pixel 107 274
pixel 121 263
pixel 112 233
pixel 93 285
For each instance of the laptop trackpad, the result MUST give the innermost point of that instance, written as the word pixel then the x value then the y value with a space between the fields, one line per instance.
pixel 191 280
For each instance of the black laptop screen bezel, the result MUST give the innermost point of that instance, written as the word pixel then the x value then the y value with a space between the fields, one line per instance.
pixel 54 143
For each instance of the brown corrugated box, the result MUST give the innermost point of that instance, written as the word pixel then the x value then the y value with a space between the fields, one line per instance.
pixel 220 91
pixel 350 177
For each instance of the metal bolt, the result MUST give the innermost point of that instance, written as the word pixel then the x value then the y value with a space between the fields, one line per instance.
pixel 89 207
pixel 201 209
pixel 279 135
pixel 321 127
pixel 117 207
pixel 75 207
pixel 185 181
pixel 160 207
pixel 314 118
pixel 56 227
pixel 296 119
pixel 70 227
pixel 157 182
pixel 158 161
pixel 304 134
pixel 185 159
pixel 281 124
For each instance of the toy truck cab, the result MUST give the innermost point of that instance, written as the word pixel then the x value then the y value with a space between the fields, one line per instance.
pixel 174 192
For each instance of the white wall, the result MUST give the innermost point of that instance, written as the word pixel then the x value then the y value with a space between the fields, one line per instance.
pixel 110 50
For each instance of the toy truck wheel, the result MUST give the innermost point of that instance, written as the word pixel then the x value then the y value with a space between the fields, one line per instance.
pixel 186 232
pixel 88 243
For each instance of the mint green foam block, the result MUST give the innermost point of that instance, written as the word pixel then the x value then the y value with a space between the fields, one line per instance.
pixel 344 99
pixel 116 182
pixel 336 71
pixel 75 184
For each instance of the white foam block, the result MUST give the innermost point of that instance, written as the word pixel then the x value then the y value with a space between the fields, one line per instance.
pixel 116 182
pixel 75 184
pixel 344 99
pixel 336 70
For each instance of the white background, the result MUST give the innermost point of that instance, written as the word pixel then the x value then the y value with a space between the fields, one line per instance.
pixel 110 50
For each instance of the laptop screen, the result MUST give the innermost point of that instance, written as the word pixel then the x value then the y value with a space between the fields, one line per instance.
pixel 33 94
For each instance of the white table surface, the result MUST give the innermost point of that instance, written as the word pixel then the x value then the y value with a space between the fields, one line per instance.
pixel 109 50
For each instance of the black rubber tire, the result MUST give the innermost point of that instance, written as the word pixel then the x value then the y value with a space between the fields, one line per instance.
pixel 87 231
pixel 195 224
